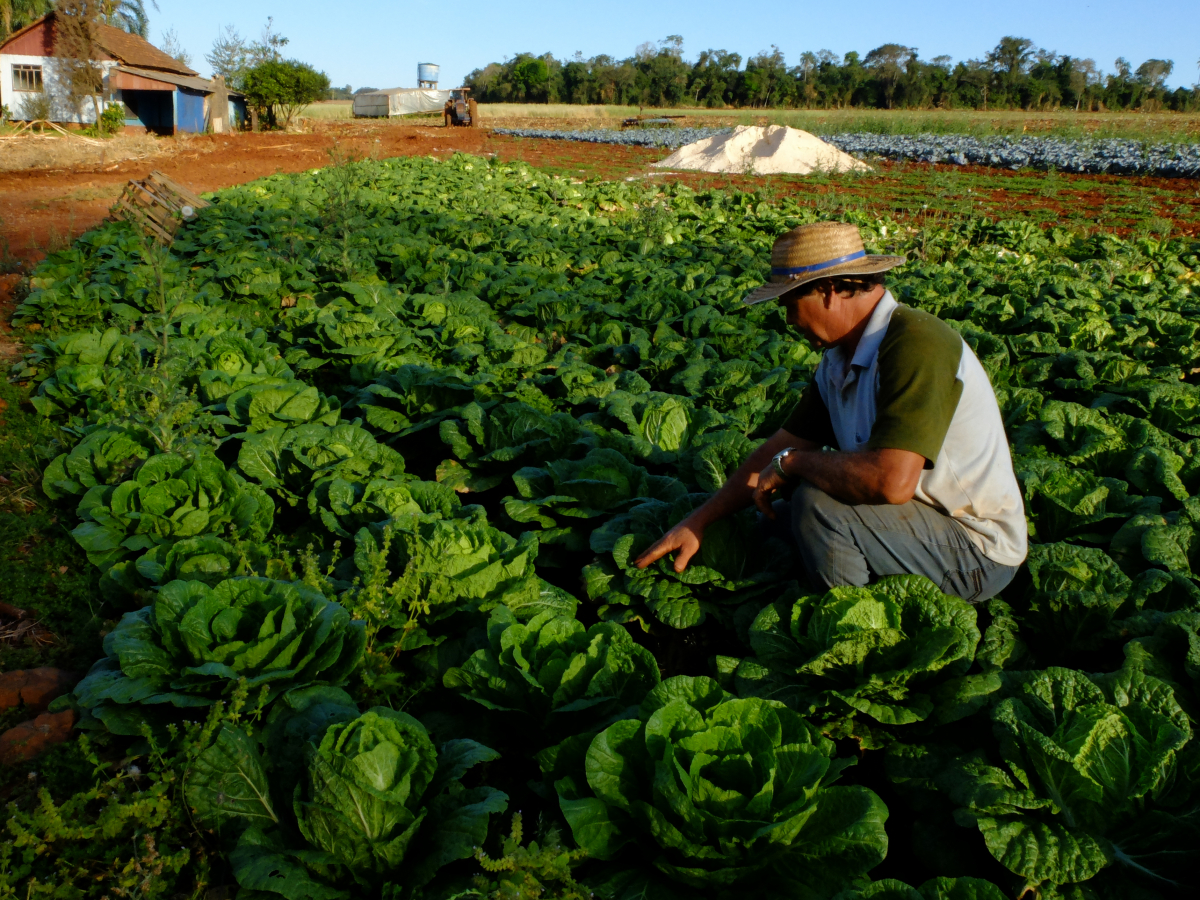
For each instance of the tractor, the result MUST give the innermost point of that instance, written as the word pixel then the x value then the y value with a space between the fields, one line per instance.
pixel 459 110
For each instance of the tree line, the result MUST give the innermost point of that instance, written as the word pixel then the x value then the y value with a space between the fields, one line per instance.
pixel 1016 74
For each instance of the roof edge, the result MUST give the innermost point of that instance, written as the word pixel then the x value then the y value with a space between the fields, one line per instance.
pixel 20 31
pixel 50 16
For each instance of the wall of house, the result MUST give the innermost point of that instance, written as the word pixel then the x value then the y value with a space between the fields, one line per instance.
pixel 53 86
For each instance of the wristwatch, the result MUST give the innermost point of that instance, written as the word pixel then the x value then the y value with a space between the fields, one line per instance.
pixel 777 462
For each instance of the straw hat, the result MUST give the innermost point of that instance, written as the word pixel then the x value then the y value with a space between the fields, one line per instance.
pixel 823 250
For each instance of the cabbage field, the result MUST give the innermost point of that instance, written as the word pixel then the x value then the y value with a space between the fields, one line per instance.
pixel 361 464
pixel 1106 156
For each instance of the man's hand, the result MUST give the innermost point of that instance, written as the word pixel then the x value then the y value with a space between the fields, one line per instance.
pixel 684 537
pixel 768 483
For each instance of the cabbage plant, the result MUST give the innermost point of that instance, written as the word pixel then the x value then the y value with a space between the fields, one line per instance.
pixel 196 643
pixel 1093 780
pixel 171 497
pixel 566 496
pixel 445 563
pixel 384 802
pixel 289 461
pixel 667 429
pixel 718 791
pixel 553 663
pixel 875 651
pixel 106 455
pixel 934 889
pixel 735 564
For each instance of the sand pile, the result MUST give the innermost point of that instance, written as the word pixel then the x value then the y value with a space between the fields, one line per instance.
pixel 762 150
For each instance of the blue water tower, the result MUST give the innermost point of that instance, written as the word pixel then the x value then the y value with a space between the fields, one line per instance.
pixel 427 75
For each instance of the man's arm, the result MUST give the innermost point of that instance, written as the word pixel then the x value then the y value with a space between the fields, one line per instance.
pixel 736 493
pixel 866 476
pixel 863 477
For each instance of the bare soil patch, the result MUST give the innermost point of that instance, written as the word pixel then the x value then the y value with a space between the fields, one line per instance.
pixel 56 151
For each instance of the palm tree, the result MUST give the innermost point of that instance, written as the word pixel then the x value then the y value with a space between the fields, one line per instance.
pixel 16 14
pixel 128 15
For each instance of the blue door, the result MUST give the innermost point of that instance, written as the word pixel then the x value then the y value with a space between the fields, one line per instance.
pixel 189 111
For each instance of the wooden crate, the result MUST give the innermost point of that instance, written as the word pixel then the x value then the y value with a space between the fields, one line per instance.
pixel 158 206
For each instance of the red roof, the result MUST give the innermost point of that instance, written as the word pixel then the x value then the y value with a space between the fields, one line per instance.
pixel 119 45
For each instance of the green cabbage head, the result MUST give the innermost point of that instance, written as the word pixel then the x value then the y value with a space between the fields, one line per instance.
pixel 172 497
pixel 872 650
pixel 719 791
pixel 553 663
pixel 196 642
pixel 1093 782
pixel 378 793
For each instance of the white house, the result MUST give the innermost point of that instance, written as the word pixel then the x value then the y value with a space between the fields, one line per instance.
pixel 159 93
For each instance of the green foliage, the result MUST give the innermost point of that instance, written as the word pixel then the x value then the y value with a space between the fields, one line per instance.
pixel 377 784
pixel 734 565
pixel 112 120
pixel 720 790
pixel 934 889
pixel 1093 781
pixel 541 869
pixel 1014 75
pixel 42 569
pixel 170 498
pixel 197 643
pixel 126 832
pixel 552 664
pixel 286 85
pixel 602 483
pixel 877 651
pixel 382 406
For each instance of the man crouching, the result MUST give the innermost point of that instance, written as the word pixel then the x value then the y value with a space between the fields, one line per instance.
pixel 896 450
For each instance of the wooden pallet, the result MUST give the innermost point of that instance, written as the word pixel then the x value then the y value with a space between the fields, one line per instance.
pixel 158 206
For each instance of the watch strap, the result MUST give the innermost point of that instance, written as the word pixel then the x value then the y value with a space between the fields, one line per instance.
pixel 777 462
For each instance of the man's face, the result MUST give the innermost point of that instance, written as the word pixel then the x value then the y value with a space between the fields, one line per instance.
pixel 806 309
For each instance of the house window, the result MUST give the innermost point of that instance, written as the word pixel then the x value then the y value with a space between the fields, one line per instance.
pixel 27 78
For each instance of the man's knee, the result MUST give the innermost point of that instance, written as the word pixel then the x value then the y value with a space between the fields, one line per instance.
pixel 820 525
pixel 812 508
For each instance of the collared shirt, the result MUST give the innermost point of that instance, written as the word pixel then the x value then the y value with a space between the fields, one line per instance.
pixel 914 384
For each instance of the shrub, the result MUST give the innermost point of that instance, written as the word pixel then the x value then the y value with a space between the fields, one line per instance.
pixel 281 88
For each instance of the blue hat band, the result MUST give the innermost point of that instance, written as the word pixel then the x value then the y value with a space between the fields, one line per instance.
pixel 816 267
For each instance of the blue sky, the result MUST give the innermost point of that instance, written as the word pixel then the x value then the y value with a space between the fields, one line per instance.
pixel 370 42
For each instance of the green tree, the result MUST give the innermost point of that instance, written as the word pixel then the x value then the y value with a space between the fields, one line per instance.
pixel 889 62
pixel 16 14
pixel 128 15
pixel 1012 56
pixel 1153 72
pixel 232 56
pixel 171 45
pixel 281 88
pixel 530 76
pixel 229 56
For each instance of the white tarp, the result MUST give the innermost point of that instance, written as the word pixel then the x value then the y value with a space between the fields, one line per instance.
pixel 762 150
pixel 399 102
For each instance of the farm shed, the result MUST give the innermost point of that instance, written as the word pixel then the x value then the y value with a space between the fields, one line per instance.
pixel 158 92
pixel 400 101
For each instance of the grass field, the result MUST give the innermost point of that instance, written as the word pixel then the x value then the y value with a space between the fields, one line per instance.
pixel 329 109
